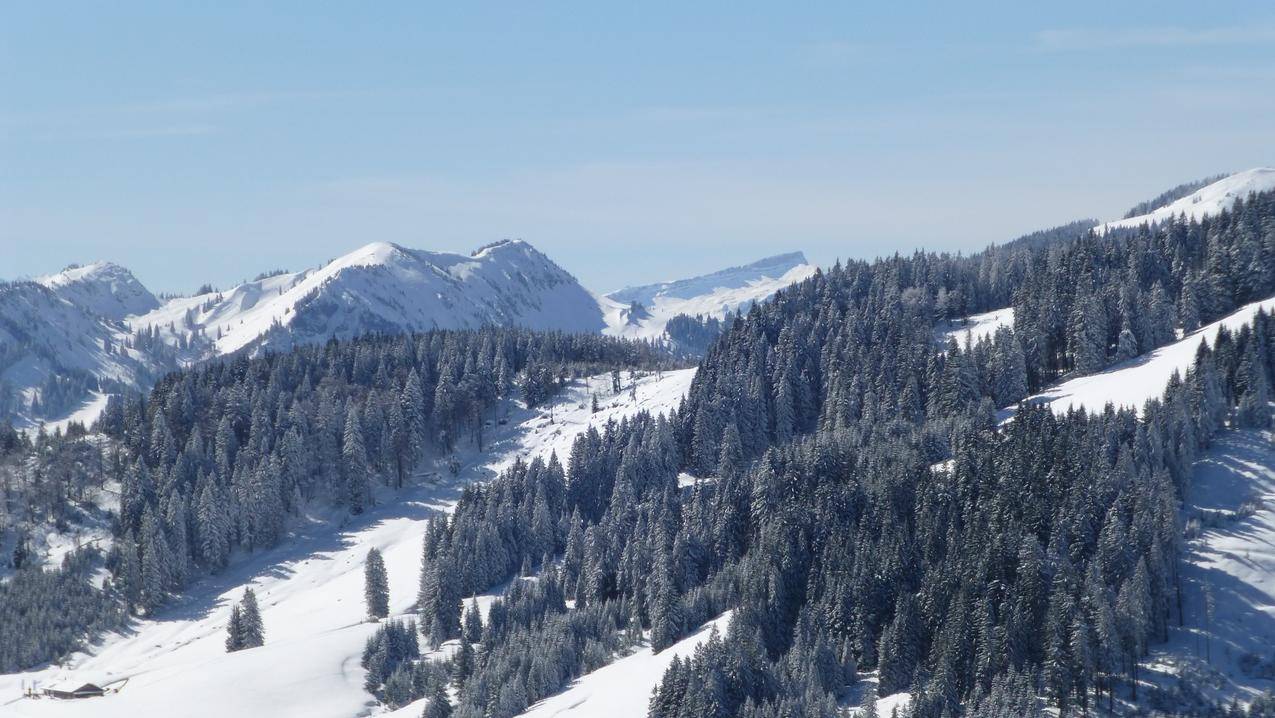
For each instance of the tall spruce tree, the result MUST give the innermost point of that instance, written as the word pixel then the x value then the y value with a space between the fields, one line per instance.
pixel 253 630
pixel 376 585
pixel 235 630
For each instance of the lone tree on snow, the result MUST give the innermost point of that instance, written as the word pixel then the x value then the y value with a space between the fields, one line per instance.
pixel 245 629
pixel 376 585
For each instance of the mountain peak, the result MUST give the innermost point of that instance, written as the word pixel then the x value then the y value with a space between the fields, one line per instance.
pixel 102 288
pixel 384 287
pixel 371 253
pixel 504 245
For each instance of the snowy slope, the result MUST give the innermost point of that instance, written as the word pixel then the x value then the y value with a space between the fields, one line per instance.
pixel 1231 508
pixel 102 288
pixel 623 688
pixel 1132 383
pixel 43 334
pixel 713 295
pixel 1205 202
pixel 383 287
pixel 976 327
pixel 311 593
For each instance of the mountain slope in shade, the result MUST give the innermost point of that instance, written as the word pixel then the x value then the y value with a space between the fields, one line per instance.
pixel 102 288
pixel 1205 202
pixel 710 295
pixel 383 287
pixel 43 335
pixel 1233 559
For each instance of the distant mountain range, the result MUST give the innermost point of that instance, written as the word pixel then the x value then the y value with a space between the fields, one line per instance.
pixel 69 339
pixel 99 330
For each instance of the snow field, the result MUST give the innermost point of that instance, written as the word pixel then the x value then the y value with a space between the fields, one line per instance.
pixel 976 327
pixel 622 689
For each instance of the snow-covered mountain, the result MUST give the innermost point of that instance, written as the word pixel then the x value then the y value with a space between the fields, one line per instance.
pixel 383 287
pixel 62 355
pixel 643 312
pixel 1207 201
pixel 63 344
pixel 102 288
pixel 79 320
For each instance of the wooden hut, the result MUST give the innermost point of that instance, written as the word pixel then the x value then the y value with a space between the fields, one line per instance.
pixel 74 690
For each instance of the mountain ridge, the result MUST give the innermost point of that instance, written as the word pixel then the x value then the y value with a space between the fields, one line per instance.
pixel 380 287
pixel 1207 201
pixel 643 311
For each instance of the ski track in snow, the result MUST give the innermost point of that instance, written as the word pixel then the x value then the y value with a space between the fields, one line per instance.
pixel 311 593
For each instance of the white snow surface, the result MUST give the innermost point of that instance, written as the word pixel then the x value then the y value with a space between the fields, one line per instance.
pixel 1205 202
pixel 976 327
pixel 85 414
pixel 310 589
pixel 1132 383
pixel 886 705
pixel 622 689
pixel 383 287
pixel 710 295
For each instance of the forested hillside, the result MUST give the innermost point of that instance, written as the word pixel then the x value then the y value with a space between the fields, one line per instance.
pixel 860 510
pixel 217 459
pixel 834 480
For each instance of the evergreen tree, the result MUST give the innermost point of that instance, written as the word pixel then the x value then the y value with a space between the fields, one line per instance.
pixel 355 469
pixel 463 662
pixel 438 706
pixel 252 630
pixel 376 585
pixel 1087 333
pixel 235 630
pixel 1126 345
pixel 473 623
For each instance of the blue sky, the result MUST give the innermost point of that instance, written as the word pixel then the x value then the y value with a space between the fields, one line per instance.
pixel 199 142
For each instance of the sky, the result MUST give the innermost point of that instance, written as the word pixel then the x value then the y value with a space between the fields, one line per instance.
pixel 207 142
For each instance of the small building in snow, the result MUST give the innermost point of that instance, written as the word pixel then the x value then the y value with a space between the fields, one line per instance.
pixel 74 690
